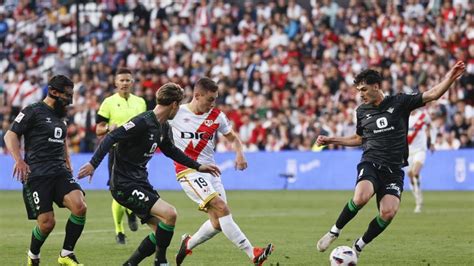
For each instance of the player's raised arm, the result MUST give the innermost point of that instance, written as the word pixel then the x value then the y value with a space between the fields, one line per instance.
pixel 437 91
pixel 354 140
pixel 240 161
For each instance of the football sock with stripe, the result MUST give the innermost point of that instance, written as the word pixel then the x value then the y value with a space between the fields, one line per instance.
pixel 37 240
pixel 164 233
pixel 232 231
pixel 349 212
pixel 74 227
pixel 205 232
pixel 376 226
pixel 146 248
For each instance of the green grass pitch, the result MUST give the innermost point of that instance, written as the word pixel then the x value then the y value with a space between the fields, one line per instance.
pixel 443 234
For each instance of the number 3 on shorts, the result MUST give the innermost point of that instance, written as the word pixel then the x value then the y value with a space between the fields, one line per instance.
pixel 140 195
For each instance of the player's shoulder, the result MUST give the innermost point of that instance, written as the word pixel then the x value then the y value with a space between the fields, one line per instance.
pixel 362 108
pixel 109 99
pixel 148 115
pixel 403 96
pixel 34 107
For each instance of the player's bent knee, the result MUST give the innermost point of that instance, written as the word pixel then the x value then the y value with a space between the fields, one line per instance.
pixel 79 209
pixel 219 207
pixel 388 213
pixel 47 225
pixel 171 215
pixel 361 199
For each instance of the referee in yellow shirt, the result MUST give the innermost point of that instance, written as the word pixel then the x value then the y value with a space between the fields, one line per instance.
pixel 115 111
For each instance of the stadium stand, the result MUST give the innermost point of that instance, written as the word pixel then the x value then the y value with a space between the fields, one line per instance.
pixel 284 68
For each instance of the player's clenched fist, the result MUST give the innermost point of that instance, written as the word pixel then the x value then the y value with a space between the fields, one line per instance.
pixel 322 140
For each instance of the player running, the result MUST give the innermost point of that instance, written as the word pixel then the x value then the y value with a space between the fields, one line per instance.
pixel 195 129
pixel 137 141
pixel 418 141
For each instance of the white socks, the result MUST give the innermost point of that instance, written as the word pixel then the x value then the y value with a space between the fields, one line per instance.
pixel 205 232
pixel 334 229
pixel 65 252
pixel 360 243
pixel 33 256
pixel 232 231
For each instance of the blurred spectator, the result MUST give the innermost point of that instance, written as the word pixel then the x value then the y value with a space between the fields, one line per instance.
pixel 284 68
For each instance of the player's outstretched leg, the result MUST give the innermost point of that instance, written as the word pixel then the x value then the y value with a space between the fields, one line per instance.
pixel 75 202
pixel 348 212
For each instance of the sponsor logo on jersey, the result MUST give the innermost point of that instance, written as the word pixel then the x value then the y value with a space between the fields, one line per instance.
pixel 48 119
pixel 151 136
pixel 56 140
pixel 19 117
pixel 197 135
pixel 129 125
pixel 390 110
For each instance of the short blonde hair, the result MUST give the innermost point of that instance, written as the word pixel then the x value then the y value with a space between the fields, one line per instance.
pixel 169 93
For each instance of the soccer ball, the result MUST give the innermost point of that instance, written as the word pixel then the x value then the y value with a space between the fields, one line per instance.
pixel 343 256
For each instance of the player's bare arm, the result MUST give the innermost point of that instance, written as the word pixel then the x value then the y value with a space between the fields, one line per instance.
pixel 437 91
pixel 354 140
pixel 103 128
pixel 20 169
pixel 67 156
pixel 240 161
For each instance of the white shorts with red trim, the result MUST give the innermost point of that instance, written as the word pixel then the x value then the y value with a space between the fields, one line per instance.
pixel 202 187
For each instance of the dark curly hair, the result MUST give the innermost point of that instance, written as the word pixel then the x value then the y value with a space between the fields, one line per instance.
pixel 368 76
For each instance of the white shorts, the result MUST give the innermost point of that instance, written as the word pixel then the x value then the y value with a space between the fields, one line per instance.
pixel 416 156
pixel 202 188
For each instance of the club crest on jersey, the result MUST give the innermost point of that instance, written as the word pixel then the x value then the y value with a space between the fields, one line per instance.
pixel 390 110
pixel 128 125
pixel 208 122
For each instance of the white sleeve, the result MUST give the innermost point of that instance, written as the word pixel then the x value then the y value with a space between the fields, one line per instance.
pixel 224 124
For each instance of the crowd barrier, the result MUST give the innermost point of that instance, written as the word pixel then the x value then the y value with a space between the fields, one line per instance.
pixel 327 170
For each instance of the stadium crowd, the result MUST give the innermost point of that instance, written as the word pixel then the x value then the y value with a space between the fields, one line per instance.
pixel 285 68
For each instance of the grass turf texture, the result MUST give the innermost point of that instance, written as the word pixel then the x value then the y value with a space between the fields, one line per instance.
pixel 443 234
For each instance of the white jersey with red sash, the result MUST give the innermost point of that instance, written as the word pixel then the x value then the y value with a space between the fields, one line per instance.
pixel 417 137
pixel 195 134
